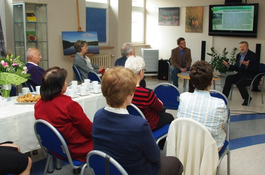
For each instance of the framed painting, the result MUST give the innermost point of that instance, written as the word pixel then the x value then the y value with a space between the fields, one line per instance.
pixel 194 19
pixel 69 39
pixel 168 16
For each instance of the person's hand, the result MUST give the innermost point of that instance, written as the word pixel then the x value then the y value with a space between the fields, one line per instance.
pixel 183 69
pixel 246 63
pixel 101 68
pixel 160 101
pixel 225 63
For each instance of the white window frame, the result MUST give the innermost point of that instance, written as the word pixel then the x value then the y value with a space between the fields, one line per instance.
pixel 141 10
pixel 101 6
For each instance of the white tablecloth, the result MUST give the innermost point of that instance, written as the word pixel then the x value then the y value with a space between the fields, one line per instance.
pixel 17 120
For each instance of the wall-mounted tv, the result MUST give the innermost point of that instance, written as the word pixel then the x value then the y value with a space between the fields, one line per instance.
pixel 233 20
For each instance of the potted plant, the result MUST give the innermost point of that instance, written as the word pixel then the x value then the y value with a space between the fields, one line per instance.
pixel 217 59
pixel 217 62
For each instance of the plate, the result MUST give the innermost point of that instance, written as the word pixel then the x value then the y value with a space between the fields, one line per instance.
pixel 75 96
pixel 24 103
pixel 85 94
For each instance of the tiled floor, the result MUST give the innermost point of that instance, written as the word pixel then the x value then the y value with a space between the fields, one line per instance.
pixel 247 136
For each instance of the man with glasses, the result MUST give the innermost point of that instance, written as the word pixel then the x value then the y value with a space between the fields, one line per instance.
pixel 181 61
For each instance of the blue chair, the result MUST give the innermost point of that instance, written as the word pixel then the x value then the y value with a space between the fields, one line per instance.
pixel 51 141
pixel 100 163
pixel 93 76
pixel 225 149
pixel 168 94
pixel 78 75
pixel 158 134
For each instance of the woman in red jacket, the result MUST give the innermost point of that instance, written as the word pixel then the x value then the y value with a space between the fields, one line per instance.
pixel 64 114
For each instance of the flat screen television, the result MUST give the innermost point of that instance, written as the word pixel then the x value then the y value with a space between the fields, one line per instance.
pixel 233 20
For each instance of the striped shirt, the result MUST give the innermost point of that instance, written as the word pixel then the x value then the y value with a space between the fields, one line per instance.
pixel 209 111
pixel 149 104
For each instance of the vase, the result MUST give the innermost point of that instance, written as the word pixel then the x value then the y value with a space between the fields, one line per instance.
pixel 5 91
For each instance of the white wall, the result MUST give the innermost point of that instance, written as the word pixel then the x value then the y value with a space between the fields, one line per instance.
pixel 164 37
pixel 62 16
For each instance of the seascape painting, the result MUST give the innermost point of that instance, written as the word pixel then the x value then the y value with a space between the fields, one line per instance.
pixel 69 39
pixel 168 16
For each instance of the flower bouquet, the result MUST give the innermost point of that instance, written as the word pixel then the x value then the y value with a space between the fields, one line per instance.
pixel 12 71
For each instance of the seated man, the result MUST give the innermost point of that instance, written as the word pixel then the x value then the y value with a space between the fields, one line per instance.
pixel 201 106
pixel 128 138
pixel 13 161
pixel 181 61
pixel 247 68
pixel 127 50
pixel 36 72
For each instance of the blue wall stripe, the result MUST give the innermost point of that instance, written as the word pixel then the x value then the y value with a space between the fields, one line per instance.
pixel 246 141
pixel 243 117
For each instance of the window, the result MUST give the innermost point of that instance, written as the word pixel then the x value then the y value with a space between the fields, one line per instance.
pixel 97 19
pixel 138 12
pixel 99 1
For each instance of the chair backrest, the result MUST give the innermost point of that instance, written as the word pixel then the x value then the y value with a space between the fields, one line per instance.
pixel 93 76
pixel 134 110
pixel 193 144
pixel 27 84
pixel 101 163
pixel 217 94
pixel 78 75
pixel 261 68
pixel 51 140
pixel 168 94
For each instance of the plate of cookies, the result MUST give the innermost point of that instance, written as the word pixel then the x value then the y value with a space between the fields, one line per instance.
pixel 28 99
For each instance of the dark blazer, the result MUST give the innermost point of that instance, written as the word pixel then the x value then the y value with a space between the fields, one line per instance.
pixel 120 61
pixel 246 71
pixel 176 58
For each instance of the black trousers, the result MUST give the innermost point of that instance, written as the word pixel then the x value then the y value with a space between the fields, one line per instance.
pixel 240 83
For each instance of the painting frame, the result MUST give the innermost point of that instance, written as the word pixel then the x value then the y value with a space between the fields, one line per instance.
pixel 168 16
pixel 194 19
pixel 70 37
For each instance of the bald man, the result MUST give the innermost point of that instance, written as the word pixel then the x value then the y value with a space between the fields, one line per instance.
pixel 36 72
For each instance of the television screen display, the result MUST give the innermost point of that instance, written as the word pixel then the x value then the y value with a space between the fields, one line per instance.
pixel 233 20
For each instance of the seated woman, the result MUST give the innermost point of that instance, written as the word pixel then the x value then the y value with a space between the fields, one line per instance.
pixel 201 106
pixel 127 138
pixel 13 161
pixel 64 114
pixel 145 99
pixel 82 62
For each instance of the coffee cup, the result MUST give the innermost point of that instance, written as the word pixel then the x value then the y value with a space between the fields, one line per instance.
pixel 82 90
pixel 25 90
pixel 37 89
pixel 70 92
pixel 95 86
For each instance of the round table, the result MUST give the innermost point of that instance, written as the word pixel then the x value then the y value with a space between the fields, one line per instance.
pixel 186 76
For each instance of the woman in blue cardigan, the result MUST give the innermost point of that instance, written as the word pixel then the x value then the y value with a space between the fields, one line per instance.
pixel 127 138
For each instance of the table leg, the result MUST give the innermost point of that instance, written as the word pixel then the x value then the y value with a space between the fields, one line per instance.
pixel 184 85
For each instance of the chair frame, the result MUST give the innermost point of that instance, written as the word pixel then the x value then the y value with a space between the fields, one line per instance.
pixel 251 85
pixel 225 150
pixel 108 159
pixel 171 85
pixel 63 146
pixel 94 74
pixel 157 138
pixel 78 75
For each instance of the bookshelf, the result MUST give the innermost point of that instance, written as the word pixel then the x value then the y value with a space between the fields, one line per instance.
pixel 30 30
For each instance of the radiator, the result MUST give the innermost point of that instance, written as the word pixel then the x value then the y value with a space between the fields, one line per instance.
pixel 150 57
pixel 101 60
